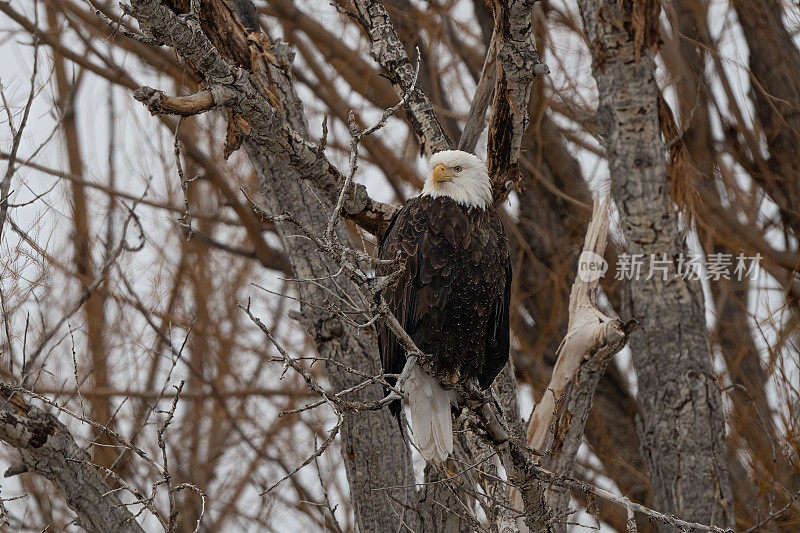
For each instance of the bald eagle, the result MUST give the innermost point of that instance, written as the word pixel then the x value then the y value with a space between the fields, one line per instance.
pixel 452 296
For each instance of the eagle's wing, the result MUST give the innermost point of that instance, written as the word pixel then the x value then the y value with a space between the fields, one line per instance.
pixel 426 237
pixel 401 239
pixel 497 334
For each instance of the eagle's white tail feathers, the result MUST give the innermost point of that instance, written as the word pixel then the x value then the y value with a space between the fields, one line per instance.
pixel 431 421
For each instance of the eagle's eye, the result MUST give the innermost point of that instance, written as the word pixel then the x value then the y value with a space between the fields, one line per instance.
pixel 457 169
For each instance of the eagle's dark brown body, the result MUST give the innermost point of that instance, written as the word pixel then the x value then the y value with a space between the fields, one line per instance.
pixel 453 296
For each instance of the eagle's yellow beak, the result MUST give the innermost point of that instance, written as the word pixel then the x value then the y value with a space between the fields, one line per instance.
pixel 439 174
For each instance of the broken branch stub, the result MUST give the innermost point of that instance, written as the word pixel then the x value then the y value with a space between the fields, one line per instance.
pixel 592 338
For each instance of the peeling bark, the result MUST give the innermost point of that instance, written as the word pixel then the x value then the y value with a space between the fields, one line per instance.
pixel 517 64
pixel 552 224
pixel 557 424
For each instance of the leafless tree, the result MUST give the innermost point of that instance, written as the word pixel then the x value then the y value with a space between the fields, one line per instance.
pixel 188 289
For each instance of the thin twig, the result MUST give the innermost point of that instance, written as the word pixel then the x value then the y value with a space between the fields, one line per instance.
pixel 5 185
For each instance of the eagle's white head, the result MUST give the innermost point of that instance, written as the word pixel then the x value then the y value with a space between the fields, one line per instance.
pixel 461 176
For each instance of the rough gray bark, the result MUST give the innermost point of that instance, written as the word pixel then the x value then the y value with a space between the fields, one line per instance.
pixel 517 64
pixel 682 424
pixel 732 333
pixel 48 449
pixel 234 88
pixel 404 16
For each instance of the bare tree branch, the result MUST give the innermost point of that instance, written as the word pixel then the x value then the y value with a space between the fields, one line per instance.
pixel 517 64
pixel 265 125
pixel 47 448
pixel 16 132
pixel 389 53
pixel 557 423
pixel 159 103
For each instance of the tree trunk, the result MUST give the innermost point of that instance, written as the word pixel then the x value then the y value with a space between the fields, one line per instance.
pixel 750 416
pixel 376 456
pixel 682 425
